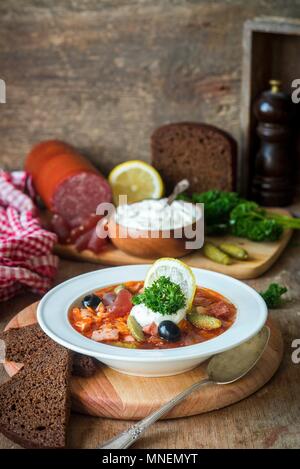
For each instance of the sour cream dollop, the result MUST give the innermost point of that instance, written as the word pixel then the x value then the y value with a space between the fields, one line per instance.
pixel 157 214
pixel 145 316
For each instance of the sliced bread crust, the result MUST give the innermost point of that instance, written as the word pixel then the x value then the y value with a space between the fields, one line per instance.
pixel 201 153
pixel 35 403
pixel 22 342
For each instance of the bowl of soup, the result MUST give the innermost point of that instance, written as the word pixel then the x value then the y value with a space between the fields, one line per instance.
pixel 102 314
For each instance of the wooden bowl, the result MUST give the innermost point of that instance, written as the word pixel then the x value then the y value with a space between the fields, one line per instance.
pixel 151 244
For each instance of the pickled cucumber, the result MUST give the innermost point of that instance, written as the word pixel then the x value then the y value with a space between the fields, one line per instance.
pixel 215 254
pixel 234 250
pixel 135 329
pixel 203 321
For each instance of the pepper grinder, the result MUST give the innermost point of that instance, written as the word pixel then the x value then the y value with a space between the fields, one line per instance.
pixel 272 184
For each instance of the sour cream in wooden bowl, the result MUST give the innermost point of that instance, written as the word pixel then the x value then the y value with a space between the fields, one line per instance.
pixel 152 228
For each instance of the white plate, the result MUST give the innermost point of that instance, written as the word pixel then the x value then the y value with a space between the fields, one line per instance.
pixel 52 315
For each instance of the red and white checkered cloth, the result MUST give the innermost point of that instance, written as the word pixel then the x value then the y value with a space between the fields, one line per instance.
pixel 26 258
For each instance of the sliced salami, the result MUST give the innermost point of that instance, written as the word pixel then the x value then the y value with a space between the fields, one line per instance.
pixel 96 244
pixel 82 241
pixel 61 228
pixel 79 196
pixel 85 236
pixel 68 183
pixel 91 222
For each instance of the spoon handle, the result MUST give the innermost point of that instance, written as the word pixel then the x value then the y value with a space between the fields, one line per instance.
pixel 126 439
pixel 180 187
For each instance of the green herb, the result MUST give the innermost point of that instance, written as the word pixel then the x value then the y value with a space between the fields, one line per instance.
pixel 217 229
pixel 248 220
pixel 217 205
pixel 226 212
pixel 163 296
pixel 272 295
pixel 284 220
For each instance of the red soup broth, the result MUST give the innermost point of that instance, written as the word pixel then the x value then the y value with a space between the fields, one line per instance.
pixel 112 318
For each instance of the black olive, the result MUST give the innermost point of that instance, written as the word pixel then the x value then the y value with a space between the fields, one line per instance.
pixel 91 301
pixel 168 330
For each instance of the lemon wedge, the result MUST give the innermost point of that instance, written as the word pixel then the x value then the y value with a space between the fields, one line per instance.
pixel 178 272
pixel 137 180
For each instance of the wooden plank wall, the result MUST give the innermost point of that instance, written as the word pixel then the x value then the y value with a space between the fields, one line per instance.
pixel 103 74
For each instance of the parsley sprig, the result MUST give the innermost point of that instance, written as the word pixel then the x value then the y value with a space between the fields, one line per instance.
pixel 272 295
pixel 227 212
pixel 163 296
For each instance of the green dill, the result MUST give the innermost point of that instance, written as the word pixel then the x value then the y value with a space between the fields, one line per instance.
pixel 163 296
pixel 272 295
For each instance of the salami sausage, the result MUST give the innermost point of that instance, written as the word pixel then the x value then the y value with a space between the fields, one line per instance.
pixel 96 244
pixel 68 184
pixel 90 223
pixel 42 152
pixel 83 240
pixel 83 236
pixel 61 228
pixel 89 240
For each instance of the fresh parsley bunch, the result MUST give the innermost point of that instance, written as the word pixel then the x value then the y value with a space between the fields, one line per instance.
pixel 248 220
pixel 163 296
pixel 217 205
pixel 272 295
pixel 226 212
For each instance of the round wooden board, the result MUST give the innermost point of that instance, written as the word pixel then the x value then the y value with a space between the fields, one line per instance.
pixel 115 395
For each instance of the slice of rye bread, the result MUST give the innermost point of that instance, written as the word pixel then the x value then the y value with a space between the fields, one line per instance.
pixel 201 153
pixel 35 403
pixel 22 342
pixel 84 366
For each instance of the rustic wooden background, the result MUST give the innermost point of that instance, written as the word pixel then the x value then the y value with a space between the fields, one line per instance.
pixel 103 74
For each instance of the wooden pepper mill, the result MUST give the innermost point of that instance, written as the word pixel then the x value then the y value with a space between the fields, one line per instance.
pixel 272 184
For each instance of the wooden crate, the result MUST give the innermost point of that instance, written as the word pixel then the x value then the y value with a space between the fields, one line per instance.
pixel 271 50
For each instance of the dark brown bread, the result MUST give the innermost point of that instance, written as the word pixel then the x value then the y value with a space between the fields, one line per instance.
pixel 35 403
pixel 201 153
pixel 21 343
pixel 83 365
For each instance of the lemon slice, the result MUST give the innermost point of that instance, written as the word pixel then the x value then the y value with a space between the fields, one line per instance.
pixel 136 179
pixel 178 272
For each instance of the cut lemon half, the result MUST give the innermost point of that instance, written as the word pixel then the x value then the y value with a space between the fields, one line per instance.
pixel 178 272
pixel 137 180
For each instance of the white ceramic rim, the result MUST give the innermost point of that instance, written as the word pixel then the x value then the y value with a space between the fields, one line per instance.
pixel 52 315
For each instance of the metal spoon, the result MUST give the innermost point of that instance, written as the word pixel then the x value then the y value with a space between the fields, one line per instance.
pixel 180 187
pixel 224 368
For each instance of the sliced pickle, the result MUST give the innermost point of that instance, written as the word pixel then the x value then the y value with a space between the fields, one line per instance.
pixel 203 321
pixel 215 254
pixel 135 329
pixel 234 250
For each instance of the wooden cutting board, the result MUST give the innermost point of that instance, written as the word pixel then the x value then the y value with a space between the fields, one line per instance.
pixel 115 395
pixel 261 255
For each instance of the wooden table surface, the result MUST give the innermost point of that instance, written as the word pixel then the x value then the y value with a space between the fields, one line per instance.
pixel 268 419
